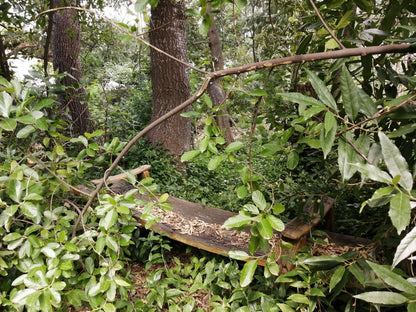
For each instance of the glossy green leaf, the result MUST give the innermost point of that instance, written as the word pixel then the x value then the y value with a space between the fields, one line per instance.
pixel 234 146
pixel 302 99
pixel 6 102
pixel 357 272
pixel 322 91
pixel 396 163
pixel 336 277
pixel 247 272
pixel 187 156
pixel 25 132
pixel 400 211
pixel 237 221
pixel 373 172
pixel 292 160
pixel 238 255
pixel 265 228
pixel 259 200
pixel 350 97
pixel 406 247
pixel 215 161
pixel 258 92
pixel 392 279
pixel 284 307
pixel 299 298
pixel 328 133
pixel 382 297
pixel 112 243
pixel 346 156
pixel 110 219
pixel 8 124
pixel 276 223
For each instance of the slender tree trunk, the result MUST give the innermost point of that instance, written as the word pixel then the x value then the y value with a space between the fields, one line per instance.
pixel 170 79
pixel 215 91
pixel 4 66
pixel 66 46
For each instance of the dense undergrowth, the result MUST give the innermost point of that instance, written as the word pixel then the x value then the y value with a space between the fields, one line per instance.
pixel 55 254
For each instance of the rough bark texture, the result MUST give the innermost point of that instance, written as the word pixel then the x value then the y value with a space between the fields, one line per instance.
pixel 216 93
pixel 4 66
pixel 66 46
pixel 170 79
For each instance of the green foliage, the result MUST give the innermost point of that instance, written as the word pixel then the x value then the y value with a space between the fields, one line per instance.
pixel 45 262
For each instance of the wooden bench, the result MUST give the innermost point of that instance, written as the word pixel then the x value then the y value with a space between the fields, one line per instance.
pixel 200 226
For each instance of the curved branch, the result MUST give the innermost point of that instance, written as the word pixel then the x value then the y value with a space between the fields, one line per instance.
pixel 238 70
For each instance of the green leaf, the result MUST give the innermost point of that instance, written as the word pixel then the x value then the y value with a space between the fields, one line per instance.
pixel 234 146
pixel 284 307
pixel 406 247
pixel 110 219
pixel 109 307
pixel 247 272
pixel 400 211
pixel 112 243
pixel 258 92
pixel 237 221
pixel 215 161
pixel 276 223
pixel 24 132
pixel 367 105
pixel 265 228
pixel 302 99
pixel 323 262
pixel 322 91
pixel 6 103
pixel 292 160
pixel 373 172
pixel 299 298
pixel 8 124
pixel 357 272
pixel 350 97
pixel 89 265
pixel 21 296
pixel 346 156
pixel 328 133
pixel 396 163
pixel 336 277
pixel 241 191
pixel 121 281
pixel 392 279
pixel 382 298
pixel 259 200
pixel 238 255
pixel 187 156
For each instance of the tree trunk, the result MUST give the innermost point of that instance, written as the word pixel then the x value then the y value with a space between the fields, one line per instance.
pixel 216 93
pixel 4 66
pixel 66 46
pixel 170 79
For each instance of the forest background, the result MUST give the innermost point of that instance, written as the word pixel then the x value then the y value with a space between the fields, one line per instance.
pixel 257 107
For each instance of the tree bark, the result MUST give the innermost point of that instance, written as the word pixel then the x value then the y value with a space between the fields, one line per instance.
pixel 66 46
pixel 4 66
pixel 215 91
pixel 170 79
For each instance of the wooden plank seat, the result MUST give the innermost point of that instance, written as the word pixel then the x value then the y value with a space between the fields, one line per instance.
pixel 200 226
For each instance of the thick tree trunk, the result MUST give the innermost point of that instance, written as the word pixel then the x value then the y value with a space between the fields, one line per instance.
pixel 215 91
pixel 170 79
pixel 66 46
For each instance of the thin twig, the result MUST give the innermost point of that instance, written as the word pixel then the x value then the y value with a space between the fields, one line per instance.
pixel 315 8
pixel 122 29
pixel 356 149
pixel 76 190
pixel 384 111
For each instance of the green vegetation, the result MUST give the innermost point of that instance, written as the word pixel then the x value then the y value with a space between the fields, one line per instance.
pixel 342 127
